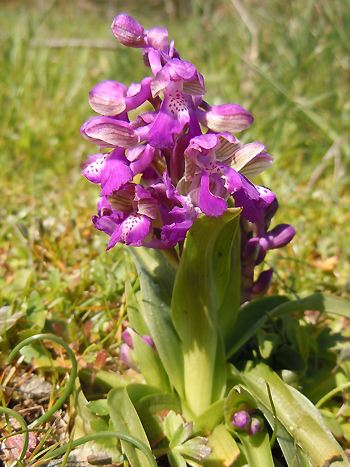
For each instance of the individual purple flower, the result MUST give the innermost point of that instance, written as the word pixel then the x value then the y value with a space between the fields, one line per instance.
pixel 157 38
pixel 256 241
pixel 212 165
pixel 178 80
pixel 126 356
pixel 278 237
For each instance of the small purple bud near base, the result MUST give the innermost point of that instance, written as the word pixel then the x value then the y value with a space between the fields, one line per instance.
pixel 240 420
pixel 256 425
pixel 126 357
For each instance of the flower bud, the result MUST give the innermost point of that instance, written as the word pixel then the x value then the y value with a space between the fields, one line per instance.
pixel 128 31
pixel 126 356
pixel 256 425
pixel 280 235
pixel 127 337
pixel 240 419
pixel 262 283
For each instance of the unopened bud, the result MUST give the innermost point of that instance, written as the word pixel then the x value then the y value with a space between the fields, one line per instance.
pixel 128 31
pixel 240 419
pixel 256 425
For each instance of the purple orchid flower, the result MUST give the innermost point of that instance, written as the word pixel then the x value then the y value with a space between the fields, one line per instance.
pixel 179 81
pixel 212 174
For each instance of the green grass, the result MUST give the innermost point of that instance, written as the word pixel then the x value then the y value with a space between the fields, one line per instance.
pixel 287 62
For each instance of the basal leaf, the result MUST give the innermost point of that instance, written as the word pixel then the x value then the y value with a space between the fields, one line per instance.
pixel 150 365
pixel 200 286
pixel 126 420
pixel 252 317
pixel 224 449
pixel 208 420
pixel 257 449
pixel 151 410
pixel 296 413
pixel 156 278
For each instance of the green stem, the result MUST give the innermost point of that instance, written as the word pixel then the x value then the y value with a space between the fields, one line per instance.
pixel 23 424
pixel 102 435
pixel 72 377
pixel 172 257
pixel 332 393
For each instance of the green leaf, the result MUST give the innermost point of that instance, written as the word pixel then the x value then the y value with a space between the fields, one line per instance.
pixel 224 449
pixel 172 422
pixel 8 318
pixel 181 435
pixel 267 342
pixel 137 392
pixel 134 311
pixel 257 449
pixel 156 280
pixel 208 420
pixel 151 411
pixel 87 423
pixel 150 365
pixel 176 460
pixel 252 317
pixel 227 276
pixel 202 281
pixel 98 407
pixel 296 413
pixel 125 419
pixel 36 312
pixel 107 379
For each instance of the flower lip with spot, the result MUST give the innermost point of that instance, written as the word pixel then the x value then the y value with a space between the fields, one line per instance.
pixel 171 120
pixel 110 170
pixel 211 181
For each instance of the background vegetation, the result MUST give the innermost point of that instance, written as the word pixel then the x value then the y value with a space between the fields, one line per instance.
pixel 286 62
